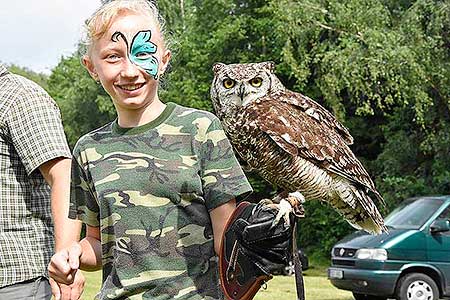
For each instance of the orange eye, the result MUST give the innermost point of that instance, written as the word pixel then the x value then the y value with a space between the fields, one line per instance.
pixel 228 83
pixel 256 82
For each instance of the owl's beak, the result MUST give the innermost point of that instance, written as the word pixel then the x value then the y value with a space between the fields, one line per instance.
pixel 241 92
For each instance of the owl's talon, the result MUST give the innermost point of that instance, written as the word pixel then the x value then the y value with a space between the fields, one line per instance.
pixel 291 204
pixel 274 223
pixel 297 196
pixel 266 201
pixel 296 200
pixel 284 209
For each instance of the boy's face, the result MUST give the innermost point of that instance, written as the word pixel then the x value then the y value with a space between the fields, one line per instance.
pixel 128 59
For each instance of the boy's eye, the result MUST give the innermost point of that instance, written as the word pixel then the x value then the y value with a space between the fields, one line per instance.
pixel 143 55
pixel 112 57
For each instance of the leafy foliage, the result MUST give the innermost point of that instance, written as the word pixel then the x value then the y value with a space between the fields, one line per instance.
pixel 83 103
pixel 39 78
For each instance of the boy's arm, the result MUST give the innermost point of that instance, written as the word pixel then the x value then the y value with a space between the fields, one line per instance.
pixel 219 217
pixel 91 248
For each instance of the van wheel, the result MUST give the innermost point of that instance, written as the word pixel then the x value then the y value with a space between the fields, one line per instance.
pixel 417 286
pixel 358 296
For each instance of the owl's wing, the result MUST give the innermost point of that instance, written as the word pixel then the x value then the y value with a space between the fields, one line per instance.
pixel 302 127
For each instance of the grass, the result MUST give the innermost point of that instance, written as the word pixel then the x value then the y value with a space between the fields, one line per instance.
pixel 92 286
pixel 317 286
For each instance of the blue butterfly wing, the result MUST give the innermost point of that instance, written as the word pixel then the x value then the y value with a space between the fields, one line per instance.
pixel 141 50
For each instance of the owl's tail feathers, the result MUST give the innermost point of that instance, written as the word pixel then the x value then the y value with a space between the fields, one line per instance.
pixel 369 225
pixel 378 197
pixel 356 206
pixel 369 218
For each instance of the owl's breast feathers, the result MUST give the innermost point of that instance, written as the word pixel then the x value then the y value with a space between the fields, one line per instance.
pixel 300 127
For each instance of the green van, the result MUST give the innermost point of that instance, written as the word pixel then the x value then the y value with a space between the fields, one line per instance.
pixel 411 262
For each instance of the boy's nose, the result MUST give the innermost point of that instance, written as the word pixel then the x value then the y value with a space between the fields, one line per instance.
pixel 129 69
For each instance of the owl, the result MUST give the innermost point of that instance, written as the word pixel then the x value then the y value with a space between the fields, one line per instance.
pixel 293 142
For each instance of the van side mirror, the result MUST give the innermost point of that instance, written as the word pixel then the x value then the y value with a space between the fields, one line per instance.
pixel 440 225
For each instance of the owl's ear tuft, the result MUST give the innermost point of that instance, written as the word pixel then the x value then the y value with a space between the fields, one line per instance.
pixel 268 65
pixel 217 67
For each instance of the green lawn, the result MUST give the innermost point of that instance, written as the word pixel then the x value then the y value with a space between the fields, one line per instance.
pixel 317 287
pixel 93 282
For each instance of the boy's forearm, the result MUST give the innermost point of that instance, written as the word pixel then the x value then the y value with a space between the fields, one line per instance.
pixel 91 257
pixel 219 217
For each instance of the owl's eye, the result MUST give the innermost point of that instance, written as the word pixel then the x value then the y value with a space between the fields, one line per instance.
pixel 228 83
pixel 256 82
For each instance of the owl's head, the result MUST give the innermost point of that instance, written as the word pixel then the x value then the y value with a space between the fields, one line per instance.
pixel 237 85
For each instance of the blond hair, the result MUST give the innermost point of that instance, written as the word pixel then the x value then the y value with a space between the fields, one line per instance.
pixel 101 20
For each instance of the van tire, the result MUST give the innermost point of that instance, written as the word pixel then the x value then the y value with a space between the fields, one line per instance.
pixel 416 283
pixel 358 296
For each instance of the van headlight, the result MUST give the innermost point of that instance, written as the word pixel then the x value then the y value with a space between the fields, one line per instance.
pixel 375 254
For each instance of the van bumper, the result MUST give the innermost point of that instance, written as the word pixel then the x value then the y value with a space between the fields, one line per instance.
pixel 368 282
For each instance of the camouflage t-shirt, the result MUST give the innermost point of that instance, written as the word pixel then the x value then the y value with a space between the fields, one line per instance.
pixel 150 189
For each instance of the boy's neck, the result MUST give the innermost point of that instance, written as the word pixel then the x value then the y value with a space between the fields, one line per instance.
pixel 138 117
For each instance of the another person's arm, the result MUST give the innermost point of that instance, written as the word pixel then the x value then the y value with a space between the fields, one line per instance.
pixel 57 174
pixel 34 123
pixel 67 231
pixel 36 130
pixel 65 264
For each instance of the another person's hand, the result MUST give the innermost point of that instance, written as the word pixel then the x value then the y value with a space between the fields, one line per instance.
pixel 63 270
pixel 69 292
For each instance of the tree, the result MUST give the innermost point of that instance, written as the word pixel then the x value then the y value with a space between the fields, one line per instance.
pixel 39 78
pixel 83 103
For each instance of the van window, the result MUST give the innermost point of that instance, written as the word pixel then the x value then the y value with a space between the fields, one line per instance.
pixel 413 214
pixel 445 214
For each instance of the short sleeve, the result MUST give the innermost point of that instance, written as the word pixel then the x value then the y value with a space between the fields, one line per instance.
pixel 34 123
pixel 83 203
pixel 222 176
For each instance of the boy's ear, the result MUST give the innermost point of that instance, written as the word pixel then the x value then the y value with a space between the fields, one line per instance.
pixel 165 60
pixel 87 63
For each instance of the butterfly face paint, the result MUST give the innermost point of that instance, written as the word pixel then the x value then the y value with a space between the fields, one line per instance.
pixel 141 50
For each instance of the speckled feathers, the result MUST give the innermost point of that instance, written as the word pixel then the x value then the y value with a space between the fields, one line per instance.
pixel 293 142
